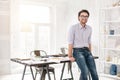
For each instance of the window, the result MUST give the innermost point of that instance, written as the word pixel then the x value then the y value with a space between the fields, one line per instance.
pixel 35 14
pixel 33 32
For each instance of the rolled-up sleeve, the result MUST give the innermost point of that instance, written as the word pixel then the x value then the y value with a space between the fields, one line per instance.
pixel 71 35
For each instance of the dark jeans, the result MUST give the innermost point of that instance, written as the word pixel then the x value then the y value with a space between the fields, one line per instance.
pixel 86 63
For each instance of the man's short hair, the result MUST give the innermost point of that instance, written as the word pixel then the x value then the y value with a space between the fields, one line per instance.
pixel 83 10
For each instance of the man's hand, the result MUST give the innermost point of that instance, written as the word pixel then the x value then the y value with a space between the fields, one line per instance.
pixel 72 59
pixel 70 47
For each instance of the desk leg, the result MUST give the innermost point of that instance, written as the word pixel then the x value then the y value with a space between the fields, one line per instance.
pixel 71 70
pixel 24 72
pixel 42 74
pixel 62 71
pixel 32 73
pixel 48 72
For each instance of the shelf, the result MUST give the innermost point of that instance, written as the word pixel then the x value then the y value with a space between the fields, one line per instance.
pixel 109 44
pixel 111 35
pixel 111 49
pixel 111 62
pixel 109 8
pixel 110 76
pixel 112 21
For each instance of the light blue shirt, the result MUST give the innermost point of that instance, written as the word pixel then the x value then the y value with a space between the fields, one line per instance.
pixel 79 36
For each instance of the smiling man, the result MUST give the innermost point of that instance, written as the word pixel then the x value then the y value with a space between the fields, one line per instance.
pixel 79 46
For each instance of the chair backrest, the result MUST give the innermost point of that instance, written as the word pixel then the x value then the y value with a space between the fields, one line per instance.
pixel 38 53
pixel 64 50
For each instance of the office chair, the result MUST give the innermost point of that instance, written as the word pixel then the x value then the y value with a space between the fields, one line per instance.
pixel 41 53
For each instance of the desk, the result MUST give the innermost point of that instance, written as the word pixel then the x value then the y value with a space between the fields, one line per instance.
pixel 44 64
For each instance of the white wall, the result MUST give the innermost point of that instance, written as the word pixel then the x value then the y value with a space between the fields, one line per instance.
pixel 4 37
pixel 61 25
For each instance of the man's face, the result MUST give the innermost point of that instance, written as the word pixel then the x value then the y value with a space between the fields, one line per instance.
pixel 83 17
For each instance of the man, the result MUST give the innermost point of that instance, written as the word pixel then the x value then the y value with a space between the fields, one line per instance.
pixel 79 43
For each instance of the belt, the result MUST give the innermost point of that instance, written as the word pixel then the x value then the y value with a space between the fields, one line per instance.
pixel 81 48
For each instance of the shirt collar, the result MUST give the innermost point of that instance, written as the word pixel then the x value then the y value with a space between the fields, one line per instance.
pixel 82 27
